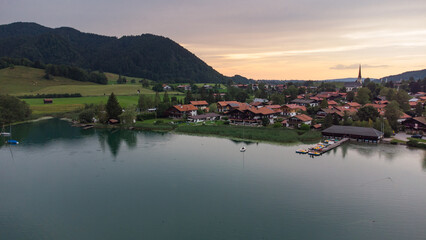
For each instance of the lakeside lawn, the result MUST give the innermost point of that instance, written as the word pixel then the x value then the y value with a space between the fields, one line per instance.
pixel 217 128
pixel 279 135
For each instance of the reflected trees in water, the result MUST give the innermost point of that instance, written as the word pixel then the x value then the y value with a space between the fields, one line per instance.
pixel 114 138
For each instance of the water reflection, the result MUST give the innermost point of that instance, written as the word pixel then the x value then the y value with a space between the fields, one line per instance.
pixel 424 161
pixel 190 186
pixel 237 142
pixel 365 150
pixel 113 138
pixel 45 132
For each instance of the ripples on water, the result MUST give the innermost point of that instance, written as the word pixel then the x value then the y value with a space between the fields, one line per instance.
pixel 68 183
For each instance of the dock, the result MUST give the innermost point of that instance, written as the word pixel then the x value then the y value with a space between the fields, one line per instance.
pixel 334 145
pixel 322 148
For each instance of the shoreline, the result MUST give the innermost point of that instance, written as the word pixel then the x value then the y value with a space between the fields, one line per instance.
pixel 32 120
pixel 294 140
pixel 174 129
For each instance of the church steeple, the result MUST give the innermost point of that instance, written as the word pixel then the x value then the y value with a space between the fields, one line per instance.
pixel 359 80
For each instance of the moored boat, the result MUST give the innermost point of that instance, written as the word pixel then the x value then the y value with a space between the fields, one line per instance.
pixel 14 142
pixel 314 153
pixel 302 151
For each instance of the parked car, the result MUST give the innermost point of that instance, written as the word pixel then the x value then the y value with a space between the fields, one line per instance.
pixel 417 136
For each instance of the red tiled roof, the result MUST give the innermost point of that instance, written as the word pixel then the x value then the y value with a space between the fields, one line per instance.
pixel 315 98
pixel 303 117
pixel 331 102
pixel 185 108
pixel 196 103
pixel 295 106
pixel 113 121
pixel 404 116
pixel 422 120
pixel 354 104
pixel 377 106
pixel 274 106
pixel 412 104
pixel 243 106
pixel 224 103
pixel 316 126
pixel 349 110
pixel 262 111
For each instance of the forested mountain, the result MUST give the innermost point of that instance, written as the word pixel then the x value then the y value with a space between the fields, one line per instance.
pixel 416 75
pixel 148 56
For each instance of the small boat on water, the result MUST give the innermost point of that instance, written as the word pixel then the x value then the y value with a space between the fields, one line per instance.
pixel 302 151
pixel 243 149
pixel 13 142
pixel 314 153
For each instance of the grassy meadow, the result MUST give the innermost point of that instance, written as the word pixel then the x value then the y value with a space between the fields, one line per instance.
pixel 278 135
pixel 62 105
pixel 19 79
pixel 93 90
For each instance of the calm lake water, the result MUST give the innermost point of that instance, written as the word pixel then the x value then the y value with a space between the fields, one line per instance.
pixel 66 183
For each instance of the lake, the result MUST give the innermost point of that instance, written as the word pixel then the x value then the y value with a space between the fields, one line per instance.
pixel 63 182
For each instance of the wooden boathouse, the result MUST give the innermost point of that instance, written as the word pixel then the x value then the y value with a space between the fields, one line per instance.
pixel 363 134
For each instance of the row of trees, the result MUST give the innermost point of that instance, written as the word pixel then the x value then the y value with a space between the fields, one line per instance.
pixel 112 110
pixel 71 72
pixel 75 73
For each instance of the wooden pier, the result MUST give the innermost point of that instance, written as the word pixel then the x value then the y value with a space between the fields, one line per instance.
pixel 334 145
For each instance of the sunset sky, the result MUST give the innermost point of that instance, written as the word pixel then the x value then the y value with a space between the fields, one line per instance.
pixel 269 39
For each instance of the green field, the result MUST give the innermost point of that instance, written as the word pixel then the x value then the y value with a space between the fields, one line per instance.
pixel 20 81
pixel 94 90
pixel 62 105
pixel 28 80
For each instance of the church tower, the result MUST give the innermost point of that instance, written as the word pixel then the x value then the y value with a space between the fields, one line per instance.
pixel 359 80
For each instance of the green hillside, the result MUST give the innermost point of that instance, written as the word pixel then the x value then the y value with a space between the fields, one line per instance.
pixel 19 79
pixel 146 56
